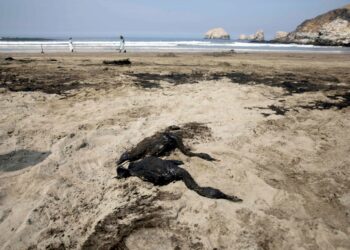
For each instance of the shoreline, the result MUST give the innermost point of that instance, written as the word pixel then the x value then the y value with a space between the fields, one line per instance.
pixel 221 55
pixel 173 46
pixel 217 53
pixel 189 51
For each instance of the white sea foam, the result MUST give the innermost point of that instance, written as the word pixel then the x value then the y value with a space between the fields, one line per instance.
pixel 194 45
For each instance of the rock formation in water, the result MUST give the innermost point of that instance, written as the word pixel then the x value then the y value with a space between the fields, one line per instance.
pixel 281 35
pixel 259 36
pixel 244 37
pixel 329 29
pixel 217 33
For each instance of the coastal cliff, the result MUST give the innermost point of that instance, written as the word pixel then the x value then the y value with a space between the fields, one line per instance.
pixel 329 29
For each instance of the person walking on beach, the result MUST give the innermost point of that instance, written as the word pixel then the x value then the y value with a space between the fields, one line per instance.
pixel 71 48
pixel 122 45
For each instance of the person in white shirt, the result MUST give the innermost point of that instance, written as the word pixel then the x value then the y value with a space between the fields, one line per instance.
pixel 122 45
pixel 71 47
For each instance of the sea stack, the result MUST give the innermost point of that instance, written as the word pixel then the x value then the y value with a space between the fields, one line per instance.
pixel 259 36
pixel 329 29
pixel 281 35
pixel 217 33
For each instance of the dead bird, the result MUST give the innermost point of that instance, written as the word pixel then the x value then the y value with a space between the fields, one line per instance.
pixel 162 172
pixel 160 144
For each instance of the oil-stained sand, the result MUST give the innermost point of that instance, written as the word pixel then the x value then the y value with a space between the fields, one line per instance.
pixel 278 123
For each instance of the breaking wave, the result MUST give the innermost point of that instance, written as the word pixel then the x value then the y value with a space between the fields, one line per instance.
pixel 171 45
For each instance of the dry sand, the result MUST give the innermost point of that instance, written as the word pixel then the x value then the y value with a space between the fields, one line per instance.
pixel 283 146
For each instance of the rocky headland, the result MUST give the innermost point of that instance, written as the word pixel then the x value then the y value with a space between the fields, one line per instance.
pixel 329 29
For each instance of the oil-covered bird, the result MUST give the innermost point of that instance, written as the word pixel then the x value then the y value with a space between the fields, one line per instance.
pixel 160 144
pixel 162 172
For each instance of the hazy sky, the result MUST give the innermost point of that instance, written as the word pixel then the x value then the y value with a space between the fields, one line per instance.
pixel 162 18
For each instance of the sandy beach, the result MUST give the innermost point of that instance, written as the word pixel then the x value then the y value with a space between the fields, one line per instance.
pixel 278 123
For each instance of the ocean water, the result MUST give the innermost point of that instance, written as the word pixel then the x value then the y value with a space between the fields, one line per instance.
pixel 158 45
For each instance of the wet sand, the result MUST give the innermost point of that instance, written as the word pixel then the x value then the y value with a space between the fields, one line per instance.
pixel 278 123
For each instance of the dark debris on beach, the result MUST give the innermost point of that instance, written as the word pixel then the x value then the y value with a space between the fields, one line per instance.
pixel 152 80
pixel 59 84
pixel 291 83
pixel 337 102
pixel 340 101
pixel 62 82
pixel 118 62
